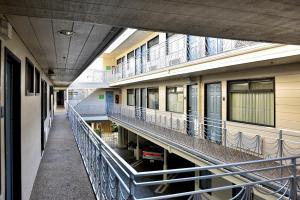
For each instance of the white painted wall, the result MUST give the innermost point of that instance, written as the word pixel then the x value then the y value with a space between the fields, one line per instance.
pixel 30 119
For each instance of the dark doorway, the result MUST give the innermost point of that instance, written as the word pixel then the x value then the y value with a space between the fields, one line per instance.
pixel 60 98
pixel 43 113
pixel 12 121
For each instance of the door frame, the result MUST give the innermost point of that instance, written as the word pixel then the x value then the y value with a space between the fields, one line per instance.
pixel 188 99
pixel 15 191
pixel 205 102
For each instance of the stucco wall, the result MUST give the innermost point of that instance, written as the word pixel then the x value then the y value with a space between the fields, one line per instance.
pixel 30 120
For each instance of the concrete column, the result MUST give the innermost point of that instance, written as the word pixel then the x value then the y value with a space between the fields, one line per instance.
pixel 137 156
pixel 93 125
pixel 197 182
pixel 120 137
pixel 197 185
pixel 165 165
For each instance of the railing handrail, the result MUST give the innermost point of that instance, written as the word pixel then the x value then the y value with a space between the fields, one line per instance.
pixel 134 180
pixel 120 159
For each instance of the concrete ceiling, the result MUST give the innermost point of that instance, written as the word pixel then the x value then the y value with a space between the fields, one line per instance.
pixel 129 42
pixel 263 20
pixel 66 56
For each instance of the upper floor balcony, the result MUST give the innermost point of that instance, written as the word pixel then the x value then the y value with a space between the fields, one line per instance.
pixel 175 50
pixel 214 140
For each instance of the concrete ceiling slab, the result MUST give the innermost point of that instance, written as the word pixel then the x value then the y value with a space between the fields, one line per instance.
pixel 265 20
pixel 66 56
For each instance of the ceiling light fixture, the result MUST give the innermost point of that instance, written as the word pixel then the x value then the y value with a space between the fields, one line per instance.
pixel 66 32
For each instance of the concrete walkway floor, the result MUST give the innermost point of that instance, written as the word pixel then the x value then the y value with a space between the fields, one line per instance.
pixel 61 174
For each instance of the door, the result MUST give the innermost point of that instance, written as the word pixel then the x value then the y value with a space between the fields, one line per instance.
pixel 213 112
pixel 192 109
pixel 12 122
pixel 143 58
pixel 109 100
pixel 143 102
pixel 43 113
pixel 137 103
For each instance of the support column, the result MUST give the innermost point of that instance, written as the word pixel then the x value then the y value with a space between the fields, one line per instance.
pixel 120 137
pixel 93 125
pixel 197 186
pixel 165 165
pixel 137 156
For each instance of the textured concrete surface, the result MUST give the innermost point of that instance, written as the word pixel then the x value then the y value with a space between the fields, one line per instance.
pixel 61 174
pixel 266 20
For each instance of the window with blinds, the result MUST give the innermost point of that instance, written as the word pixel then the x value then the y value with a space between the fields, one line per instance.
pixel 175 99
pixel 130 97
pixel 153 98
pixel 252 101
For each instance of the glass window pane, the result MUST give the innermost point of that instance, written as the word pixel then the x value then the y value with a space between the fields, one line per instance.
pixel 153 98
pixel 256 107
pixel 262 85
pixel 130 97
pixel 239 86
pixel 175 99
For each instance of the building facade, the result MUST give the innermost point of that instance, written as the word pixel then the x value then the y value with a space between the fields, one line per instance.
pixel 220 93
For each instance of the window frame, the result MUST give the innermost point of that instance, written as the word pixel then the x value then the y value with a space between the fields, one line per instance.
pixel 37 83
pixel 167 98
pixel 29 68
pixel 133 92
pixel 148 46
pixel 228 104
pixel 152 88
pixel 168 35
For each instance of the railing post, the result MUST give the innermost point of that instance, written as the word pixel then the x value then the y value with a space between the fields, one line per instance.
pixel 131 187
pixel 171 121
pixel 155 116
pixel 225 134
pixel 240 139
pixel 280 144
pixel 293 188
pixel 225 140
pixel 280 150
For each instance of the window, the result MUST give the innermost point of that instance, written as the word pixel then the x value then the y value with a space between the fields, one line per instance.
pixel 175 99
pixel 130 63
pixel 29 78
pixel 153 49
pixel 37 81
pixel 121 65
pixel 175 45
pixel 152 98
pixel 252 101
pixel 130 97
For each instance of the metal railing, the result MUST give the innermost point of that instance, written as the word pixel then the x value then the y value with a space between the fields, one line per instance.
pixel 175 50
pixel 94 75
pixel 220 140
pixel 112 178
pixel 88 109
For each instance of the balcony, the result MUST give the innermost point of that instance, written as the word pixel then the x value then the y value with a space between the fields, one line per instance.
pixel 113 178
pixel 215 141
pixel 176 50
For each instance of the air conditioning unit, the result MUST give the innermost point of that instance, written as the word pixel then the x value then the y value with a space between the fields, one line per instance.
pixel 5 29
pixel 174 61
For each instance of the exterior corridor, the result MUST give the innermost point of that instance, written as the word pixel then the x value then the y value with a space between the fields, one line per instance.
pixel 61 174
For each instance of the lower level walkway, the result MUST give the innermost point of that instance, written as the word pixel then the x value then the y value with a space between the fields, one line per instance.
pixel 61 174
